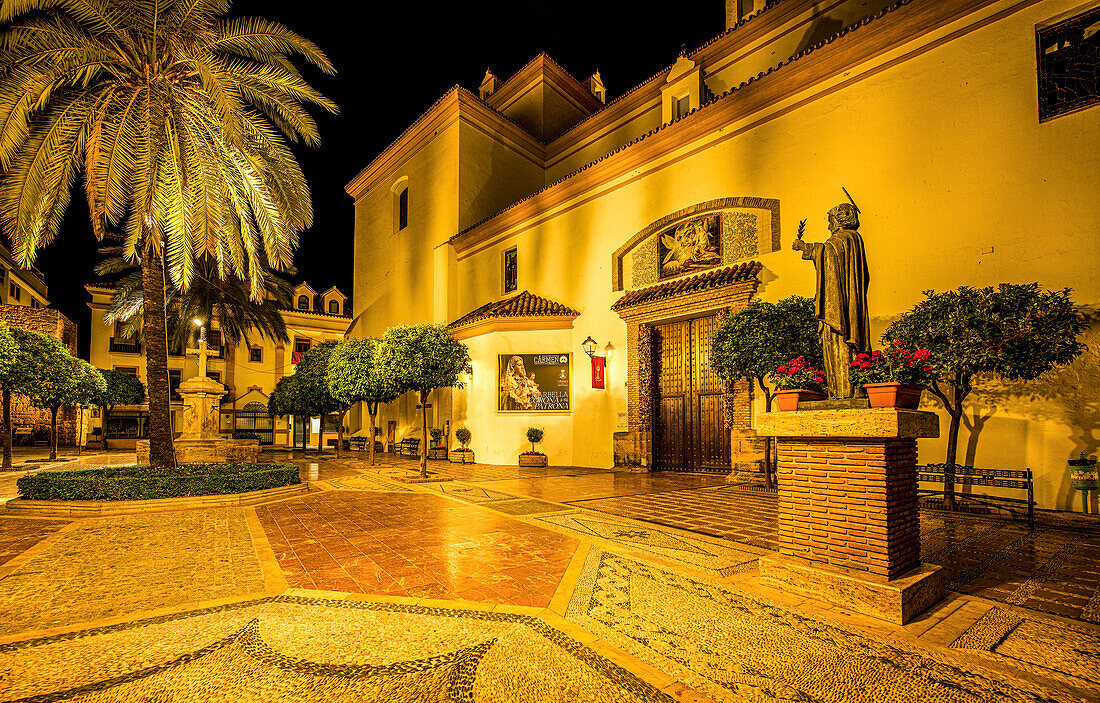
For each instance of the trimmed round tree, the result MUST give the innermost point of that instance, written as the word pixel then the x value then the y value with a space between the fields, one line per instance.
pixel 312 372
pixel 45 372
pixel 354 377
pixel 421 358
pixel 1014 331
pixel 291 397
pixel 756 340
pixel 121 388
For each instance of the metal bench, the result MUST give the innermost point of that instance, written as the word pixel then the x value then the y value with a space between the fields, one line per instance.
pixel 999 478
pixel 409 446
pixel 357 443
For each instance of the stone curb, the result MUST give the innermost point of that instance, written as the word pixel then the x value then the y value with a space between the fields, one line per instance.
pixel 94 508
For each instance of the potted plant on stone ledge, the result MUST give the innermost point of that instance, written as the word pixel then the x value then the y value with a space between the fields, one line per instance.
pixel 796 382
pixel 893 379
pixel 438 450
pixel 533 457
pixel 462 455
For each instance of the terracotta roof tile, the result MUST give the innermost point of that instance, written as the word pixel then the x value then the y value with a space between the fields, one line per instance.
pixel 524 304
pixel 715 278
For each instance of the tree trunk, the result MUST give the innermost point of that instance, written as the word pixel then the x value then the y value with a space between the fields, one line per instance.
pixel 424 426
pixel 949 469
pixel 6 394
pixel 768 482
pixel 340 433
pixel 320 432
pixel 372 410
pixel 53 433
pixel 105 414
pixel 161 451
pixel 80 431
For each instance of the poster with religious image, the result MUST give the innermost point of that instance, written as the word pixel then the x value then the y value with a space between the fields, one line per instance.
pixel 690 246
pixel 534 383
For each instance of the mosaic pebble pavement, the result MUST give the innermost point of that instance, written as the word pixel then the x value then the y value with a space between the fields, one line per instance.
pixel 439 592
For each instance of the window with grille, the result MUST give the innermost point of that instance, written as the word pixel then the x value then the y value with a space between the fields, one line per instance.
pixel 1069 65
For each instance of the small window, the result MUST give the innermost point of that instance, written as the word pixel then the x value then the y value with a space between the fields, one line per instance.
pixel 301 345
pixel 334 307
pixel 403 209
pixel 215 375
pixel 255 354
pixel 14 291
pixel 303 302
pixel 34 303
pixel 681 107
pixel 1069 65
pixel 511 273
pixel 132 370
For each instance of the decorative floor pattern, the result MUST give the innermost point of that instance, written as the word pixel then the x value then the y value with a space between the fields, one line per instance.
pixel 413 544
pixel 1037 641
pixel 112 566
pixel 736 647
pixel 470 494
pixel 728 512
pixel 367 482
pixel 526 507
pixel 17 535
pixel 707 553
pixel 606 484
pixel 302 649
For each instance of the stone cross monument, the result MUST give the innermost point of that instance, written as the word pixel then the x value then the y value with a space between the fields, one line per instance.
pixel 201 399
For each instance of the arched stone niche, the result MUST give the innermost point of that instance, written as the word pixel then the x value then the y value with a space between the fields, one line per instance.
pixel 738 229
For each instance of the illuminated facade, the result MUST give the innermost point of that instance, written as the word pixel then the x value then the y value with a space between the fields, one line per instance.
pixel 638 221
pixel 249 371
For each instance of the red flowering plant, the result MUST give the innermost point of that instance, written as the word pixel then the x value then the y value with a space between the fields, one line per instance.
pixel 796 373
pixel 896 365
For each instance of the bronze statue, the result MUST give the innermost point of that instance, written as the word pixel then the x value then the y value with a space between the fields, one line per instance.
pixel 841 297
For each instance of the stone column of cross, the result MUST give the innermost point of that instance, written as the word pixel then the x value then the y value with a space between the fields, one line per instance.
pixel 203 353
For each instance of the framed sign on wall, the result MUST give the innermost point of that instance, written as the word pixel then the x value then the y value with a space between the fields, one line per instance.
pixel 534 383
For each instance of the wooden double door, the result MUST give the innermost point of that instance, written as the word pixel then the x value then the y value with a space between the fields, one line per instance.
pixel 689 432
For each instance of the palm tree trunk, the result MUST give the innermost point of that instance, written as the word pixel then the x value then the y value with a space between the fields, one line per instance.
pixel 53 433
pixel 424 425
pixel 7 427
pixel 161 452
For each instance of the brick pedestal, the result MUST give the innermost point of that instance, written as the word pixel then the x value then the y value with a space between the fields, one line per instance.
pixel 849 530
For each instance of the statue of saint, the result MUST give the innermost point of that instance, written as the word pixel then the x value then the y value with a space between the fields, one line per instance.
pixel 841 298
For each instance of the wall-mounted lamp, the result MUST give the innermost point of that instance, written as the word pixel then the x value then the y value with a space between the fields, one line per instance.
pixel 589 345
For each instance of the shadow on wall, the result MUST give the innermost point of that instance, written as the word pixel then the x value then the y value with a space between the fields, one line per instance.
pixel 820 29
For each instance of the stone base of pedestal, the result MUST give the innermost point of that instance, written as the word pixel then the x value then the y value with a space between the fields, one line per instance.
pixel 899 600
pixel 207 451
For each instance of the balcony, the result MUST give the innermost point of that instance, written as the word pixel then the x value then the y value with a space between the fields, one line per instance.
pixel 125 346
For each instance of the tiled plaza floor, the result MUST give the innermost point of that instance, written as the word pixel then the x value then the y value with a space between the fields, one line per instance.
pixel 417 545
pixel 508 584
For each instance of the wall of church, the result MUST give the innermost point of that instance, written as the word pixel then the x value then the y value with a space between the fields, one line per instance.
pixel 959 184
pixel 394 270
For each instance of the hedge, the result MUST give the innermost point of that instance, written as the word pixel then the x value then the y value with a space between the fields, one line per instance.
pixel 145 482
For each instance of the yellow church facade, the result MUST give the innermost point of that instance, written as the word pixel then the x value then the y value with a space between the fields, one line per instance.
pixel 535 215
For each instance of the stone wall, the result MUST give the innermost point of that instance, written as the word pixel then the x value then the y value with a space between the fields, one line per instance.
pixel 27 419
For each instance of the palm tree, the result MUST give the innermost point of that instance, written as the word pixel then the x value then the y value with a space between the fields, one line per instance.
pixel 180 119
pixel 228 300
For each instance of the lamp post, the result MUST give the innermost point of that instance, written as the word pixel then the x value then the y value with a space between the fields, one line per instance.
pixel 599 361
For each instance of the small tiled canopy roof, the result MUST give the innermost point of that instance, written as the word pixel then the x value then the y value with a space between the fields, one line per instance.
pixel 522 305
pixel 715 278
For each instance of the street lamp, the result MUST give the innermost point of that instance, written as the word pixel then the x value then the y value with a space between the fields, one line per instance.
pixel 589 345
pixel 202 330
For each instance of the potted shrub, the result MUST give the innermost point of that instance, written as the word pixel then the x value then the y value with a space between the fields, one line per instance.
pixel 462 455
pixel 533 457
pixel 796 381
pixel 893 379
pixel 437 450
pixel 1083 477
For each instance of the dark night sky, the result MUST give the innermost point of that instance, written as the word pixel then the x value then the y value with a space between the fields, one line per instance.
pixel 390 69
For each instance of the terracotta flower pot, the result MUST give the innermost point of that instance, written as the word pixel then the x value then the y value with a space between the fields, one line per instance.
pixel 532 460
pixel 893 395
pixel 789 400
